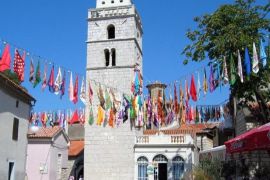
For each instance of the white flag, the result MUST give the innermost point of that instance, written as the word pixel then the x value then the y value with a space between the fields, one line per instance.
pixel 199 86
pixel 225 75
pixel 255 60
pixel 70 88
pixel 58 82
pixel 83 92
pixel 239 69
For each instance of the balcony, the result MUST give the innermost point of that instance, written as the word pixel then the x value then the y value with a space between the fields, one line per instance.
pixel 110 12
pixel 163 139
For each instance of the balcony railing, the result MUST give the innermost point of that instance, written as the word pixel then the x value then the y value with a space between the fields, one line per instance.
pixel 165 139
pixel 109 12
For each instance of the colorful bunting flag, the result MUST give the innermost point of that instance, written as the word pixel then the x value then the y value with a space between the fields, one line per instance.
pixel 255 60
pixel 71 88
pixel 211 80
pixel 205 85
pixel 75 118
pixel 83 92
pixel 51 80
pixel 239 68
pixel 247 62
pixel 175 100
pixel 193 91
pixel 6 59
pixel 199 88
pixel 232 71
pixel 18 65
pixel 58 82
pixel 37 75
pixel 263 56
pixel 63 85
pixel 32 72
pixel 225 75
pixel 76 90
pixel 44 79
pixel 90 93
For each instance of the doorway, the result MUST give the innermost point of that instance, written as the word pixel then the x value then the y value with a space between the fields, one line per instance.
pixel 162 171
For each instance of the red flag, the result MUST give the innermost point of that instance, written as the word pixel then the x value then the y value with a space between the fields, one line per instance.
pixel 6 58
pixel 175 100
pixel 51 81
pixel 76 89
pixel 90 93
pixel 193 91
pixel 18 65
pixel 75 118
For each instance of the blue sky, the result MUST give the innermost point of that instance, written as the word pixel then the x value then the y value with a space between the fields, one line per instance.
pixel 57 31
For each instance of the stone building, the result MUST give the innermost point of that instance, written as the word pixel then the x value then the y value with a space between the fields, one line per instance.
pixel 15 107
pixel 114 50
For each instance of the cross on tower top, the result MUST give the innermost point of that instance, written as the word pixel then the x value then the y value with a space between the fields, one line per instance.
pixel 112 3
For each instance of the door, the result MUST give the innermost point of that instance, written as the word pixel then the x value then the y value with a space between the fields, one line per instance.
pixel 162 171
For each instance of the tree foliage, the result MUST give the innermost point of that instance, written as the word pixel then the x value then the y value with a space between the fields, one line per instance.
pixel 230 28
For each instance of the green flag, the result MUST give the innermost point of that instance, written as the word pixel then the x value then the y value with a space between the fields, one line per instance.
pixel 91 117
pixel 37 75
pixel 232 71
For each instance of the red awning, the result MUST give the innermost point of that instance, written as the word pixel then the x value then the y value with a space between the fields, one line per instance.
pixel 255 139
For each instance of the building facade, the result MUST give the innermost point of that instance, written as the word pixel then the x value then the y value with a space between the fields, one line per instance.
pixel 47 153
pixel 114 50
pixel 15 107
pixel 165 155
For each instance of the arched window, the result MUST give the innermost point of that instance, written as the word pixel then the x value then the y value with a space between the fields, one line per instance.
pixel 107 57
pixel 113 57
pixel 142 168
pixel 160 159
pixel 111 31
pixel 177 167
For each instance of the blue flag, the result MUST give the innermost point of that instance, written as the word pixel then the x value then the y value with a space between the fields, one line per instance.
pixel 263 56
pixel 247 62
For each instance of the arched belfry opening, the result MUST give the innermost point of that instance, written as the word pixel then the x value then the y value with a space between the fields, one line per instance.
pixel 111 31
pixel 107 57
pixel 113 52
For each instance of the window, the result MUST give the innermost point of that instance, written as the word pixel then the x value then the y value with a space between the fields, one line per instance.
pixel 121 1
pixel 142 168
pixel 103 2
pixel 11 171
pixel 15 129
pixel 113 57
pixel 17 104
pixel 107 57
pixel 111 31
pixel 177 167
pixel 112 2
pixel 160 159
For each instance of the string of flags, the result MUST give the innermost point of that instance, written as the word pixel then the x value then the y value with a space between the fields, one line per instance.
pixel 57 118
pixel 115 107
pixel 55 81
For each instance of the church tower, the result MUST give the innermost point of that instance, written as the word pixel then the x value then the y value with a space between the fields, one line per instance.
pixel 114 50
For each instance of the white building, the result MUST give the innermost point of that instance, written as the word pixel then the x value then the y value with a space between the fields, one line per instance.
pixel 15 107
pixel 168 154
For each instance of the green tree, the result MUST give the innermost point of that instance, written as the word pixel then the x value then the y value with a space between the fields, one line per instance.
pixel 230 28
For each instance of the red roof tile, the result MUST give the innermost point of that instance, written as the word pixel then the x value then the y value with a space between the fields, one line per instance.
pixel 75 148
pixel 44 132
pixel 184 129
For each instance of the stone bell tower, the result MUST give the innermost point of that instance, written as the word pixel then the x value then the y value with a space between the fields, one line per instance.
pixel 114 49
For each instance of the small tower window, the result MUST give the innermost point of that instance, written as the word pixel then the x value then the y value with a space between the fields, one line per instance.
pixel 103 2
pixel 121 1
pixel 111 32
pixel 113 57
pixel 112 2
pixel 107 57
